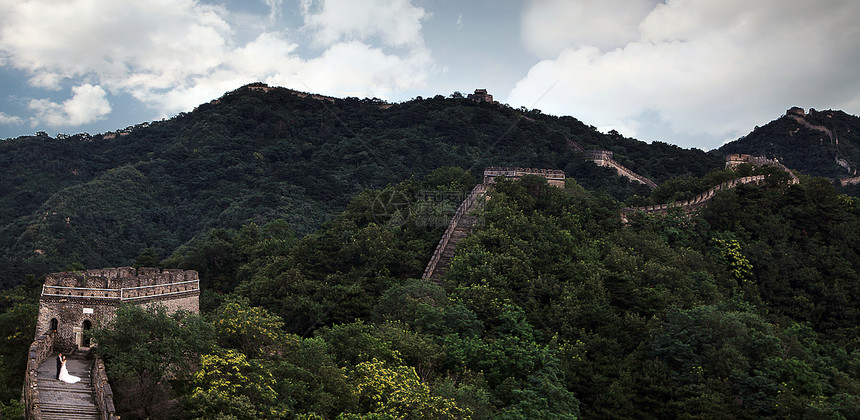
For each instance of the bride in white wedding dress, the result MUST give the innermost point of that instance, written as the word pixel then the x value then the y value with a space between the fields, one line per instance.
pixel 65 376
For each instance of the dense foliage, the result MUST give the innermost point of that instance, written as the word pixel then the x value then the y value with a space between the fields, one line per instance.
pixel 256 157
pixel 804 148
pixel 550 309
pixel 312 304
pixel 18 309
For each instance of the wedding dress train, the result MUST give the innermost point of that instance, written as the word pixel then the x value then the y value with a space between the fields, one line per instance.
pixel 66 377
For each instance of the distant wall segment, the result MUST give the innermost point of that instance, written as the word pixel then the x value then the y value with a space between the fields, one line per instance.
pixel 701 200
pixel 734 160
pixel 694 203
pixel 604 158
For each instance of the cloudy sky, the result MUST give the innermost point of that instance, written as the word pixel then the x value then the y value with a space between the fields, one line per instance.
pixel 690 72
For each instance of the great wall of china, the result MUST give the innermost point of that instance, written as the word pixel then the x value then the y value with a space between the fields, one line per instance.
pixel 694 203
pixel 463 222
pixel 72 303
pixel 799 115
pixel 459 227
pixel 604 158
pixel 699 201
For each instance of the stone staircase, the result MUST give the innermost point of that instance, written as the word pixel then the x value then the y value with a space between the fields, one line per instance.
pixel 60 400
pixel 464 226
pixel 459 227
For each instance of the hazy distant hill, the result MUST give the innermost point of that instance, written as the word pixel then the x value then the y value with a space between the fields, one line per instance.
pixel 819 143
pixel 259 154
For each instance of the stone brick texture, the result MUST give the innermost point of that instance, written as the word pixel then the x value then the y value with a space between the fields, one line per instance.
pixel 77 300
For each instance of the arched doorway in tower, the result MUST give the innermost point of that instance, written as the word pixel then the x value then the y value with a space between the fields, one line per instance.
pixel 86 339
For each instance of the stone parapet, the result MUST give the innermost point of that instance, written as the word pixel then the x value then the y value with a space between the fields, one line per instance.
pixel 604 158
pixel 119 278
pixel 102 391
pixel 598 155
pixel 120 284
pixel 40 349
pixel 694 203
pixel 139 296
pixel 733 160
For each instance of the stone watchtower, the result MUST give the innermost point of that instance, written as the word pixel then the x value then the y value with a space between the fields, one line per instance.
pixel 481 95
pixel 73 302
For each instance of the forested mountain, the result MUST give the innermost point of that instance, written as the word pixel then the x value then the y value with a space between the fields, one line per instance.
pixel 550 309
pixel 257 155
pixel 818 143
pixel 312 304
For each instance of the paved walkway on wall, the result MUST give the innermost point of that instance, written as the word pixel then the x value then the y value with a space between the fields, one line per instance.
pixel 464 226
pixel 461 224
pixel 60 400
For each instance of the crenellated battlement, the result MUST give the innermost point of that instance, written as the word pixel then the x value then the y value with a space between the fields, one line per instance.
pixel 694 203
pixel 120 284
pixel 554 177
pixel 72 302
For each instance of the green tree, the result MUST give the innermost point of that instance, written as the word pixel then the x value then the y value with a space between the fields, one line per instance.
pixel 228 383
pixel 13 410
pixel 149 354
pixel 249 329
pixel 147 258
pixel 396 392
pixel 310 382
pixel 18 309
pixel 739 265
pixel 719 352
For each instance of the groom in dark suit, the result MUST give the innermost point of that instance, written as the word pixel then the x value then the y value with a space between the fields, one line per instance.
pixel 59 364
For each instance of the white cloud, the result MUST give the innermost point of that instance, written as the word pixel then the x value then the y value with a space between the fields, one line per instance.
pixel 175 54
pixel 7 119
pixel 344 69
pixel 46 79
pixel 395 22
pixel 88 104
pixel 550 26
pixel 167 40
pixel 707 69
pixel 356 69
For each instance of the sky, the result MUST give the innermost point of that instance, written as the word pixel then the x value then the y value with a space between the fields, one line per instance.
pixel 695 73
